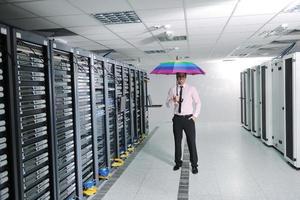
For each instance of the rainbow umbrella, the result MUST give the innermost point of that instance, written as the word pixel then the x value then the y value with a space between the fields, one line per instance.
pixel 177 67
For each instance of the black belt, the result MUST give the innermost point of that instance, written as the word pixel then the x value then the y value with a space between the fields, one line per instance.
pixel 184 116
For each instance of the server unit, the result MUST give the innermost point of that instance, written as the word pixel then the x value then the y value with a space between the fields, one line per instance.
pixel 128 113
pixel 246 99
pixel 122 147
pixel 133 98
pixel 243 98
pixel 8 188
pixel 111 110
pixel 145 106
pixel 100 126
pixel 138 104
pixel 86 138
pixel 266 103
pixel 292 109
pixel 33 128
pixel 277 105
pixel 63 90
pixel 255 96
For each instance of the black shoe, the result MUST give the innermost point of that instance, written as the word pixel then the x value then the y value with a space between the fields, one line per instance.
pixel 176 167
pixel 194 170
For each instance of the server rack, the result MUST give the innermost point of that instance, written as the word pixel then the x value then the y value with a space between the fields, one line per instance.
pixel 138 104
pixel 292 109
pixel 111 111
pixel 246 99
pixel 63 90
pixel 100 126
pixel 255 107
pixel 266 103
pixel 33 128
pixel 120 111
pixel 145 104
pixel 8 188
pixel 126 82
pixel 133 98
pixel 243 98
pixel 277 105
pixel 86 138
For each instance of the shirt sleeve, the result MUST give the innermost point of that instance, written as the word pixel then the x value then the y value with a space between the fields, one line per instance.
pixel 169 100
pixel 197 101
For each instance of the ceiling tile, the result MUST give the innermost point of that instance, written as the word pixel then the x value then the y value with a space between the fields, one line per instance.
pixel 109 36
pixel 209 22
pixel 32 23
pixel 253 19
pixel 286 18
pixel 205 31
pixel 121 28
pixel 8 11
pixel 74 20
pixel 258 7
pixel 95 47
pixel 90 30
pixel 99 6
pixel 161 14
pixel 50 8
pixel 71 39
pixel 130 35
pixel 223 9
pixel 82 43
pixel 155 4
pixel 242 28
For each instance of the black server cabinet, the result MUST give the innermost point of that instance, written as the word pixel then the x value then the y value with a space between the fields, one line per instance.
pixel 252 100
pixel 126 79
pixel 133 97
pixel 100 99
pixel 86 140
pixel 64 120
pixel 120 110
pixel 289 136
pixel 8 172
pixel 33 102
pixel 263 103
pixel 111 111
pixel 138 103
pixel 145 104
pixel 142 107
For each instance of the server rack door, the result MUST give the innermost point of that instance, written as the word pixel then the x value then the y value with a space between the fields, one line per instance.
pixel 252 100
pixel 8 185
pixel 138 103
pixel 127 106
pixel 241 97
pixel 120 113
pixel 257 101
pixel 33 103
pixel 100 126
pixel 134 105
pixel 263 102
pixel 275 104
pixel 85 117
pixel 64 120
pixel 146 112
pixel 112 111
pixel 280 140
pixel 289 138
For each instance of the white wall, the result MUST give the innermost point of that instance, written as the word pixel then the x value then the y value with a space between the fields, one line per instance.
pixel 219 91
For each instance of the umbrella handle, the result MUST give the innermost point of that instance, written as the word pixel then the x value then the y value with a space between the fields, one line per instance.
pixel 176 89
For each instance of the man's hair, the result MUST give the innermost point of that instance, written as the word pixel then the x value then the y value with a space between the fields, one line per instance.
pixel 177 74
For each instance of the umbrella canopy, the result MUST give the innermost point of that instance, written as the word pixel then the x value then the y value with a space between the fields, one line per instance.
pixel 177 67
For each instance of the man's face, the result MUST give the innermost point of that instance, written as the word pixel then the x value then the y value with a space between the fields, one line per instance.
pixel 181 77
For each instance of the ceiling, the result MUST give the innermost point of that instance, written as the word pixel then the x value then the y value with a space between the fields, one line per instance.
pixel 215 29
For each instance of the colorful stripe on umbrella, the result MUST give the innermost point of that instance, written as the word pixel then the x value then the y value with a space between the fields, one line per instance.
pixel 177 67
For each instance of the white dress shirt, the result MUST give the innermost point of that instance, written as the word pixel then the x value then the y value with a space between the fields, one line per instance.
pixel 189 94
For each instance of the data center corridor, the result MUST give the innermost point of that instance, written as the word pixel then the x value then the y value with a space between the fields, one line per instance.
pixel 233 165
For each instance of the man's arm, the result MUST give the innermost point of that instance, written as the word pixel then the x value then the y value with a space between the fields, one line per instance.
pixel 197 101
pixel 170 101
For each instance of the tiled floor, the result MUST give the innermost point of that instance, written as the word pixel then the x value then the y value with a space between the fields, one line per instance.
pixel 233 165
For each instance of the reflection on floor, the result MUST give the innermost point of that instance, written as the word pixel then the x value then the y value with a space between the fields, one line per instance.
pixel 233 165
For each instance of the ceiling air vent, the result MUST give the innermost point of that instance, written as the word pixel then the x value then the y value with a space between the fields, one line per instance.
pixel 125 17
pixel 155 51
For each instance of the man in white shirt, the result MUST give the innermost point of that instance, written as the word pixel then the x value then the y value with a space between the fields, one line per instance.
pixel 182 97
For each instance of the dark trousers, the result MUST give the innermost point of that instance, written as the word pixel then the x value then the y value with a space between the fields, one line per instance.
pixel 181 123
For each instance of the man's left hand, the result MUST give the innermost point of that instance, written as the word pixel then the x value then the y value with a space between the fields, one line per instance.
pixel 193 118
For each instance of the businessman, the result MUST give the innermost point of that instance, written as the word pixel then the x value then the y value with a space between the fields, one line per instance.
pixel 181 97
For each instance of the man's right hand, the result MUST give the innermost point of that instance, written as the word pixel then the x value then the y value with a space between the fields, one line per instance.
pixel 176 99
